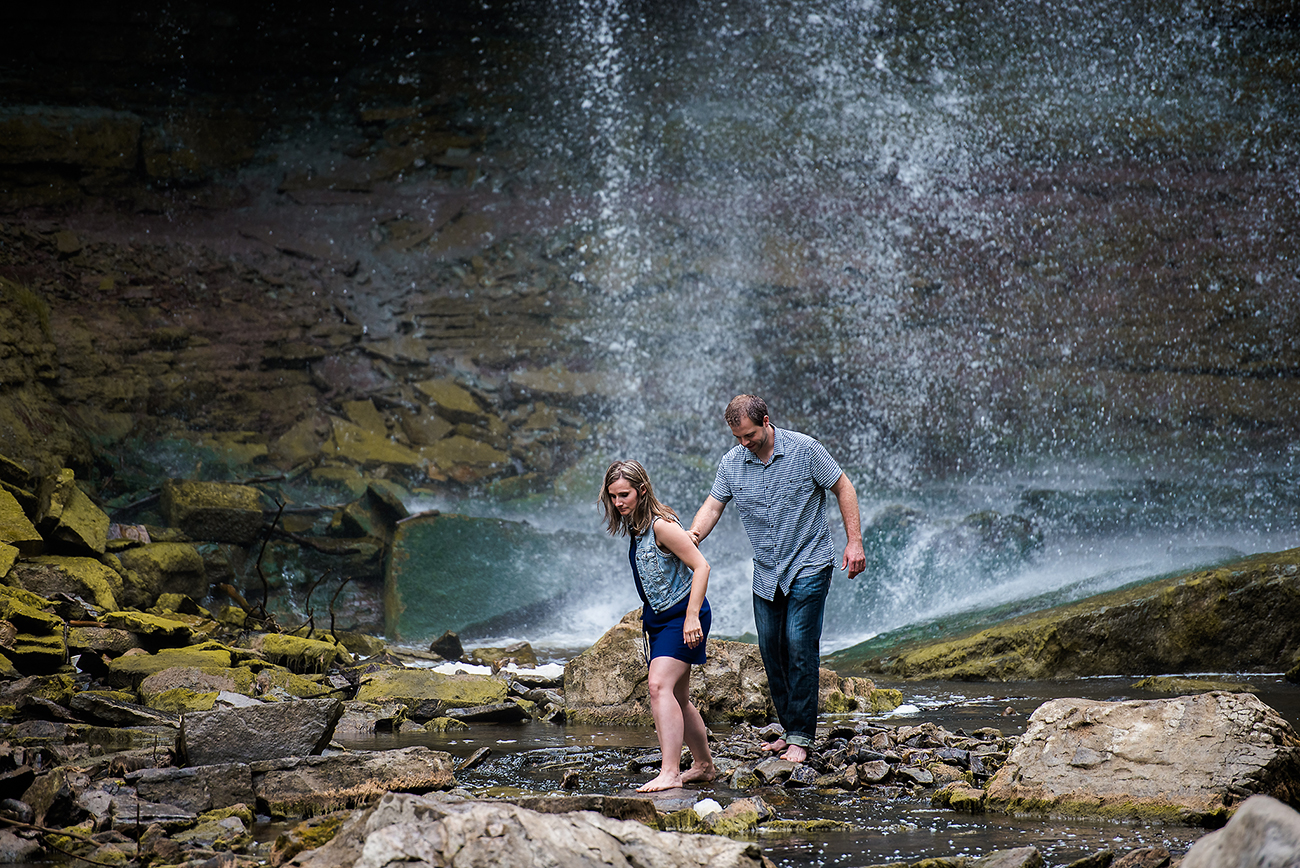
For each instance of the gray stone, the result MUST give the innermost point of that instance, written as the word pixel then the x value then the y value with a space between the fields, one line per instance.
pixel 118 712
pixel 303 786
pixel 402 830
pixel 1185 760
pixel 260 732
pixel 774 769
pixel 198 788
pixel 1263 833
pixel 1021 857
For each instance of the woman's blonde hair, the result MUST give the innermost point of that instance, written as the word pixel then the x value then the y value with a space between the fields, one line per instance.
pixel 648 507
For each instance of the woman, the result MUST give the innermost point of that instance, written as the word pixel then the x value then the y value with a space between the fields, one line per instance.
pixel 671 576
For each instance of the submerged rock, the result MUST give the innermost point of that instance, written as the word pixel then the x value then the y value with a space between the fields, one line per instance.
pixel 1188 760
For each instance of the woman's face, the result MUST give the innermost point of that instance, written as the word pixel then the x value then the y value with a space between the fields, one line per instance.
pixel 623 495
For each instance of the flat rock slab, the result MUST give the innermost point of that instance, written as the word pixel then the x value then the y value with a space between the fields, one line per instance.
pixel 1188 759
pixel 402 830
pixel 196 789
pixel 260 732
pixel 305 786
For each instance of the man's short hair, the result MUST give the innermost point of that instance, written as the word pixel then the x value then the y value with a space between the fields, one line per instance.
pixel 749 407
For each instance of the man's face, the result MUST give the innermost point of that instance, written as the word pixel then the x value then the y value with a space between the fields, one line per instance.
pixel 751 435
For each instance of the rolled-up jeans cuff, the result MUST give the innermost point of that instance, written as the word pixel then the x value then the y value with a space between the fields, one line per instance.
pixel 798 738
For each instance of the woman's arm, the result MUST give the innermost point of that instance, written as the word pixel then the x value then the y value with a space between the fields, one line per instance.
pixel 671 536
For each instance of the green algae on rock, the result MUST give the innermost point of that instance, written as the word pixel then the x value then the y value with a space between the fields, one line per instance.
pixel 1237 616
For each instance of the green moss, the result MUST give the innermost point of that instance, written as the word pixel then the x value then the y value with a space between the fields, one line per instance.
pixel 30 303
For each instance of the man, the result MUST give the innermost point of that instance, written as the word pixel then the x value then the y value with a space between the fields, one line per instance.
pixel 779 481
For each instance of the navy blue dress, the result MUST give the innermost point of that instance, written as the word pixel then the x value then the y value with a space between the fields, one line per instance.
pixel 665 628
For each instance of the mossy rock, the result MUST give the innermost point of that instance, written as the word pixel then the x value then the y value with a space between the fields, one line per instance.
pixel 273 677
pixel 132 669
pixel 235 679
pixel 883 699
pixel 307 835
pixel 413 686
pixel 446 724
pixel 37 654
pixel 1187 686
pixel 214 511
pixel 67 517
pixel 15 528
pixel 87 578
pixel 302 655
pixel 181 700
pixel 159 568
pixel 160 630
pixel 25 610
pixel 361 644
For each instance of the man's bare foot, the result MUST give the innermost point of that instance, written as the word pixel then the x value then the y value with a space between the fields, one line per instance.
pixel 773 746
pixel 660 783
pixel 795 753
pixel 702 773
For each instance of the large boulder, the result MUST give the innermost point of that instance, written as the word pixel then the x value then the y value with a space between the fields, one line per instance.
pixel 1263 832
pixel 607 683
pixel 213 511
pixel 1187 760
pixel 302 786
pixel 1234 617
pixel 259 732
pixel 443 830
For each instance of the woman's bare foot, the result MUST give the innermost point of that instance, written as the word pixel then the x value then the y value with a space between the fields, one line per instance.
pixel 660 783
pixel 773 746
pixel 702 773
pixel 795 753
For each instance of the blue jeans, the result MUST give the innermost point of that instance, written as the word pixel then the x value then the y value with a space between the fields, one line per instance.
pixel 789 638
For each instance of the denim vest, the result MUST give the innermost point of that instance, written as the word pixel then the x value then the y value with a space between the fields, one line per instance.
pixel 664 578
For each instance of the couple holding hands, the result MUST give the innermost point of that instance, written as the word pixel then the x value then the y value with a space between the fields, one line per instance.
pixel 779 481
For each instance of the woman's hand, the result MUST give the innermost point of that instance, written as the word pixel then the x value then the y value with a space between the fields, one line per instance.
pixel 692 632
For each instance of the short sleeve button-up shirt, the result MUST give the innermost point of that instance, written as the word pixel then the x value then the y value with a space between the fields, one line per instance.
pixel 782 506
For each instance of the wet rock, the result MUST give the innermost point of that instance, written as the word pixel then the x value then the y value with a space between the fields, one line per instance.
pixel 15 528
pixel 774 770
pixel 263 732
pixel 300 786
pixel 433 829
pixel 1021 857
pixel 307 835
pixel 1263 831
pixel 959 796
pixel 447 646
pixel 520 653
pixel 196 789
pixel 615 807
pixel 501 712
pixel 14 849
pixel 1188 760
pixel 214 511
pixel 371 717
pixel 1145 857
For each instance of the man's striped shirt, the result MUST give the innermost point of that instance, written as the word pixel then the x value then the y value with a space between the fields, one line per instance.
pixel 783 507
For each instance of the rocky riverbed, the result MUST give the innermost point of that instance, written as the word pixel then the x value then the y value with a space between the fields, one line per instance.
pixel 148 720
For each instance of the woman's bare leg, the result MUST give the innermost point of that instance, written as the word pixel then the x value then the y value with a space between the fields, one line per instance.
pixel 696 735
pixel 665 674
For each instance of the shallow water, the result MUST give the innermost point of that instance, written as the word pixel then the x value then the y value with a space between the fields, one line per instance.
pixel 535 756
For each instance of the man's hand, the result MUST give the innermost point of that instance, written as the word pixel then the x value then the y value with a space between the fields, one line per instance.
pixel 695 536
pixel 855 560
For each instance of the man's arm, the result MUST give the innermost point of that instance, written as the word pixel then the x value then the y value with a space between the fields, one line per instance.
pixel 709 513
pixel 855 560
